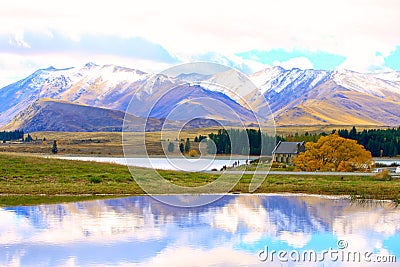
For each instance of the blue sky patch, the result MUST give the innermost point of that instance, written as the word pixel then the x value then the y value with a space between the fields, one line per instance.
pixel 393 60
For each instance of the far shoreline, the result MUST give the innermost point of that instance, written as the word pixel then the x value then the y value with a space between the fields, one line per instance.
pixel 64 199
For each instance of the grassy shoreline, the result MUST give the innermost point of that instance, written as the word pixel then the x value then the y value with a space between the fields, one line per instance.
pixel 28 180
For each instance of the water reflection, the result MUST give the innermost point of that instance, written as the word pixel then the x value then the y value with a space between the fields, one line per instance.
pixel 144 232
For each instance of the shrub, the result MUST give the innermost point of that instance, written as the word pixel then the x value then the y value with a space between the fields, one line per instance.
pixel 95 180
pixel 290 168
pixel 193 153
pixel 278 165
pixel 383 175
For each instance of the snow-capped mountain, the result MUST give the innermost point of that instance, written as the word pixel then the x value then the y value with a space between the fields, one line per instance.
pixel 304 97
pixel 296 97
pixel 113 87
pixel 100 86
pixel 383 85
pixel 280 86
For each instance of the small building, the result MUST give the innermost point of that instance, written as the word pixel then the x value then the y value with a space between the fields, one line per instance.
pixel 285 152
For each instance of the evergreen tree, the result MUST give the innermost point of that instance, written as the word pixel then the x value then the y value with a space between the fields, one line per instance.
pixel 235 141
pixel 171 147
pixel 353 133
pixel 227 149
pixel 255 142
pixel 12 135
pixel 187 145
pixel 54 149
pixel 343 133
pixel 28 138
pixel 392 149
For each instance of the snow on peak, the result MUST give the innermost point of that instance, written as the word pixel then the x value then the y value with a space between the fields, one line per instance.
pixel 91 64
pixel 277 79
pixel 393 76
pixel 73 83
pixel 50 68
pixel 368 83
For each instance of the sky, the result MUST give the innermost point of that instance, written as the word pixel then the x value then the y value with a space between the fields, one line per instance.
pixel 359 35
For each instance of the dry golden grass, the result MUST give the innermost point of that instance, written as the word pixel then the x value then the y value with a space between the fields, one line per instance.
pixel 383 175
pixel 102 143
pixel 70 143
pixel 110 143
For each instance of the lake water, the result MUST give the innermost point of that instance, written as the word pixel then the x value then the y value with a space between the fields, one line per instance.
pixel 237 230
pixel 388 162
pixel 195 164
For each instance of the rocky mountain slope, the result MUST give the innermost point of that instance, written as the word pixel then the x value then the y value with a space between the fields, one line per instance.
pixel 100 86
pixel 305 97
pixel 114 87
pixel 295 97
pixel 56 115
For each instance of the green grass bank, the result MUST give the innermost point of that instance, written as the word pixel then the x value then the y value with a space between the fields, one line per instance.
pixel 27 180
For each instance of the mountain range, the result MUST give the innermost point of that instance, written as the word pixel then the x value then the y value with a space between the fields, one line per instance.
pixel 56 99
pixel 331 97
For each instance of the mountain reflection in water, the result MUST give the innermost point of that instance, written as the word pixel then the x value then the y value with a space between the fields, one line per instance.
pixel 144 232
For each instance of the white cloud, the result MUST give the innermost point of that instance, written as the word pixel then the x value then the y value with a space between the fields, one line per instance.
pixel 225 27
pixel 15 67
pixel 297 62
pixel 18 40
pixel 247 66
pixel 183 256
pixel 364 62
pixel 255 65
pixel 221 26
pixel 295 239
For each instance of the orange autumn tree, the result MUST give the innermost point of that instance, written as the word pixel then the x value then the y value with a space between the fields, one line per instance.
pixel 334 153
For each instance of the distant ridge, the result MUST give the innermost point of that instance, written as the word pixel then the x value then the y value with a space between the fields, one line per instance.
pixel 55 115
pixel 309 97
pixel 61 116
pixel 295 97
pixel 113 87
